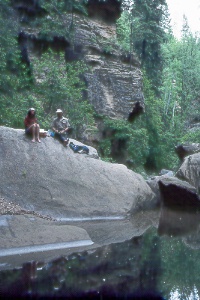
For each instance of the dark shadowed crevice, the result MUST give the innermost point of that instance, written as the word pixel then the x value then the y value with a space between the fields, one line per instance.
pixel 138 109
pixel 109 10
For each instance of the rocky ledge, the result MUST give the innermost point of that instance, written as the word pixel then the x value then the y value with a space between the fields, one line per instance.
pixel 46 187
pixel 44 182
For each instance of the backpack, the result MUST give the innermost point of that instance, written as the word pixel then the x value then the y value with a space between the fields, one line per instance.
pixel 78 148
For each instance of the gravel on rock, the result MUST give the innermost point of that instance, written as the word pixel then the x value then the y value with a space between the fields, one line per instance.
pixel 9 208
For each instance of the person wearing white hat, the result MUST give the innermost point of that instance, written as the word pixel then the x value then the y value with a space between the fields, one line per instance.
pixel 61 127
pixel 31 125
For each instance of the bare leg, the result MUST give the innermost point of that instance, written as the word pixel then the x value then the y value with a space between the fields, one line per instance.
pixel 33 134
pixel 38 133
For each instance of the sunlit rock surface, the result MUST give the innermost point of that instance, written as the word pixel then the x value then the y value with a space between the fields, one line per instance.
pixel 53 180
pixel 55 192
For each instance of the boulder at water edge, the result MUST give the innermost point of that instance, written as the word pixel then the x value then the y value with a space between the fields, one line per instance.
pixel 51 179
pixel 190 170
pixel 178 194
pixel 184 150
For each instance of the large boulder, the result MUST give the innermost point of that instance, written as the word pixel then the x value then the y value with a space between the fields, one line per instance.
pixel 190 170
pixel 178 194
pixel 52 180
pixel 153 182
pixel 184 150
pixel 173 192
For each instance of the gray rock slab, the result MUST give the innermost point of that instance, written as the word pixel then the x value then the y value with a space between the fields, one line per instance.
pixel 115 231
pixel 20 231
pixel 52 180
pixel 26 238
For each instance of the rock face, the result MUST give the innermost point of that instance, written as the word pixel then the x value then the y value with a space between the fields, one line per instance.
pixel 53 180
pixel 154 185
pixel 184 150
pixel 190 170
pixel 178 194
pixel 114 79
pixel 114 86
pixel 174 193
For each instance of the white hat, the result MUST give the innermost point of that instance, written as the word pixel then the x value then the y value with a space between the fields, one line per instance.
pixel 59 110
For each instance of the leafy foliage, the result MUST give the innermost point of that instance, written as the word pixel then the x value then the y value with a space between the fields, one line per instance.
pixel 14 79
pixel 59 85
pixel 180 87
pixel 145 31
pixel 171 80
pixel 192 136
pixel 50 84
pixel 124 31
pixel 134 142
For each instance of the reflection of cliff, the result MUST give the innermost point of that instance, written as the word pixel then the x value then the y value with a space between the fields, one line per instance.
pixel 114 80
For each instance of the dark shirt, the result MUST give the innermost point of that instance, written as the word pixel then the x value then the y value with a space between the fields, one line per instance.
pixel 29 121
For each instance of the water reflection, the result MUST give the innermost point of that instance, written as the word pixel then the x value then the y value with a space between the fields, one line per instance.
pixel 177 223
pixel 155 264
pixel 176 295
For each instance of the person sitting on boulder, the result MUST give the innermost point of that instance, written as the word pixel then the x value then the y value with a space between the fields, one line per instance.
pixel 61 127
pixel 31 125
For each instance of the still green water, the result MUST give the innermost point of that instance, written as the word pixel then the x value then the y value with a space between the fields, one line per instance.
pixel 163 263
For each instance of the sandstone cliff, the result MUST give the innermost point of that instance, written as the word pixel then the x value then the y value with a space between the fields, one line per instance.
pixel 114 79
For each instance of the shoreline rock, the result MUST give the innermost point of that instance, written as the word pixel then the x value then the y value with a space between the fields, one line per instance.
pixel 53 180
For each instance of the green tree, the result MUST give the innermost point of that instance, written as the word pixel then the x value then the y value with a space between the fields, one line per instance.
pixel 161 138
pixel 124 30
pixel 180 82
pixel 14 79
pixel 148 32
pixel 58 84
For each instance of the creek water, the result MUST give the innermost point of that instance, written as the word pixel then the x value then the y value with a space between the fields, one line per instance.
pixel 152 255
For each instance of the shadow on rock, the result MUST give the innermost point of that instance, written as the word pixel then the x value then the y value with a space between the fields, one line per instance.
pixel 179 195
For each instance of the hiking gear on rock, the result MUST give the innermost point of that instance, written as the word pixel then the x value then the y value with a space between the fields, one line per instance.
pixel 79 149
